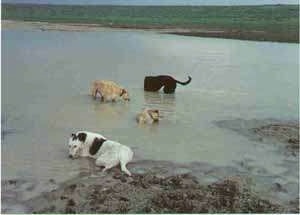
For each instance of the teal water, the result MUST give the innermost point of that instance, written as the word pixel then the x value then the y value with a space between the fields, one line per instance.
pixel 45 84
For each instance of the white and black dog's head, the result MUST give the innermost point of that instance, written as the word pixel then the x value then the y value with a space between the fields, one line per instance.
pixel 75 144
pixel 84 144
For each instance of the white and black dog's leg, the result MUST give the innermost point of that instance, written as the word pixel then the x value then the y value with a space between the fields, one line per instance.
pixel 125 157
pixel 108 160
pixel 124 169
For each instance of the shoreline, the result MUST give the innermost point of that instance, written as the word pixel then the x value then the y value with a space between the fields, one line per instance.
pixel 152 190
pixel 167 186
pixel 252 35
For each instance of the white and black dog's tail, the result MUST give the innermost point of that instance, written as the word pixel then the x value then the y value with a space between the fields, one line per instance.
pixel 184 83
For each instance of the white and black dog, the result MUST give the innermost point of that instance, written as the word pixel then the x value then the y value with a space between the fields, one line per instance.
pixel 107 153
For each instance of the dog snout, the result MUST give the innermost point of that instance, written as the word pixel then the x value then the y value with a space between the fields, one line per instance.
pixel 70 156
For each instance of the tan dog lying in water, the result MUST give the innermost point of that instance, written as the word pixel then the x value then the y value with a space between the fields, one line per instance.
pixel 148 116
pixel 108 91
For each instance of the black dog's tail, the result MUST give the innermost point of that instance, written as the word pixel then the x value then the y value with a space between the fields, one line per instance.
pixel 184 83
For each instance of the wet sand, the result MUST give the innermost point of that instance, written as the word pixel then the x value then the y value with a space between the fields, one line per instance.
pixel 150 193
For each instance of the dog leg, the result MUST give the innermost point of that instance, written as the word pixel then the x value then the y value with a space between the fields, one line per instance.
pixel 98 92
pixel 110 165
pixel 100 162
pixel 106 168
pixel 125 157
pixel 108 160
pixel 95 95
pixel 124 169
pixel 169 90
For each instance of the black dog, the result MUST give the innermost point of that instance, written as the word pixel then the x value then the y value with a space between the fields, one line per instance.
pixel 154 83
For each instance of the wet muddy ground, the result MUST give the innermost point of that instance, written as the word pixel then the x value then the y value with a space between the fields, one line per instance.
pixel 149 193
pixel 168 187
pixel 261 130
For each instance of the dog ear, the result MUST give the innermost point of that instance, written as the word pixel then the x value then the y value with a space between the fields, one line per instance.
pixel 97 143
pixel 82 137
pixel 123 92
pixel 74 137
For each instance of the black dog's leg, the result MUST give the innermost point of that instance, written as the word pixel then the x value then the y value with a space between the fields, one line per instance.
pixel 169 90
pixel 169 87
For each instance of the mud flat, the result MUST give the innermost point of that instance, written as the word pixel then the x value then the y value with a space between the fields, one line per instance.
pixel 155 187
pixel 147 193
pixel 267 131
pixel 170 187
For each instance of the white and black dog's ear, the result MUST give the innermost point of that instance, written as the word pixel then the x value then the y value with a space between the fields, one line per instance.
pixel 73 136
pixel 96 145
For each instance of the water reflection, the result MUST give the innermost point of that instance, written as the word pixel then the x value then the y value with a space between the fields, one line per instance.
pixel 109 111
pixel 165 103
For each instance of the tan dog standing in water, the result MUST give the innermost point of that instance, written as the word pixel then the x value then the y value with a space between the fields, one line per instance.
pixel 108 91
pixel 148 116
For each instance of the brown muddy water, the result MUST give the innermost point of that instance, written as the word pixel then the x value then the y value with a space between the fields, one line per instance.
pixel 45 84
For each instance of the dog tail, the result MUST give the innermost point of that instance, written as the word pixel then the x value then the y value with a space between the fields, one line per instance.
pixel 184 83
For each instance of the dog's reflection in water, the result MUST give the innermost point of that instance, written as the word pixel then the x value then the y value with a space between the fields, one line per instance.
pixel 110 112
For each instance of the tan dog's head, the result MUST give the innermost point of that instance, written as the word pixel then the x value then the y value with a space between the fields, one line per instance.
pixel 154 114
pixel 124 95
